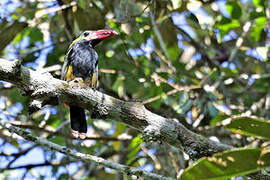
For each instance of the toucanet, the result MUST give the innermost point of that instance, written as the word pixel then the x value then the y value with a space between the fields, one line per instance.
pixel 81 61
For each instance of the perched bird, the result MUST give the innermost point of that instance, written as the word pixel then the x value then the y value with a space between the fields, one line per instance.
pixel 81 61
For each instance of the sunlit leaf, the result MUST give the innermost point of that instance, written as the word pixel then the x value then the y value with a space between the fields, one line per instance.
pixel 234 9
pixel 173 52
pixel 134 148
pixel 218 119
pixel 250 126
pixel 258 26
pixel 228 164
pixel 259 3
pixel 58 140
pixel 225 25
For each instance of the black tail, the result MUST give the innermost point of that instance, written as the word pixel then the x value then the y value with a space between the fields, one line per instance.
pixel 77 119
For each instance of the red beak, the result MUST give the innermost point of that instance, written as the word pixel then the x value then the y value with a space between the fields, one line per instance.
pixel 102 34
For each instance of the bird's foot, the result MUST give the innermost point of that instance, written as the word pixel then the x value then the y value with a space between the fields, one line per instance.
pixel 82 135
pixel 75 134
pixel 77 82
pixel 79 135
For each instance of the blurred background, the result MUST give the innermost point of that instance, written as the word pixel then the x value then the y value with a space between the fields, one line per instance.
pixel 198 61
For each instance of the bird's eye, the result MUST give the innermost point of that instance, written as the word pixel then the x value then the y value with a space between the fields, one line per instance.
pixel 85 34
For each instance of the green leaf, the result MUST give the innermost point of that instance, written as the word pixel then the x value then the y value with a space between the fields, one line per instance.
pixel 135 142
pixel 214 75
pixel 183 97
pixel 156 91
pixel 35 35
pixel 15 96
pixel 261 85
pixel 118 86
pixel 225 25
pixel 218 119
pixel 257 28
pixel 63 176
pixel 184 108
pixel 54 122
pixel 234 9
pixel 21 35
pixel 249 126
pixel 83 4
pixel 134 148
pixel 58 140
pixel 187 105
pixel 228 164
pixel 258 3
pixel 212 109
pixel 253 15
pixel 229 72
pixel 173 52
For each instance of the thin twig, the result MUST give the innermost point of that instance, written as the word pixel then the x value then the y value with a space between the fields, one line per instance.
pixel 152 156
pixel 108 71
pixel 165 60
pixel 30 166
pixel 18 155
pixel 176 89
pixel 53 131
pixel 174 162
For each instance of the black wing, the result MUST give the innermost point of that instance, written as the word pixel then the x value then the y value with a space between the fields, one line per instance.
pixel 84 61
pixel 65 66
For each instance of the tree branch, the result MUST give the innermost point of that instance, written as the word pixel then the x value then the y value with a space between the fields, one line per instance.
pixel 30 166
pixel 52 131
pixel 77 155
pixel 47 90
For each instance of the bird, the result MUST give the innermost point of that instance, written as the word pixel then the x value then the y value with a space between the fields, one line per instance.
pixel 81 61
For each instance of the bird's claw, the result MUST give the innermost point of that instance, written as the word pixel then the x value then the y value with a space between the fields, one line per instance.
pixel 82 135
pixel 77 82
pixel 75 134
pixel 79 135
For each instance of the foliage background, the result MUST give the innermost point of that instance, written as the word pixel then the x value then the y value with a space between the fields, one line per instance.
pixel 218 51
